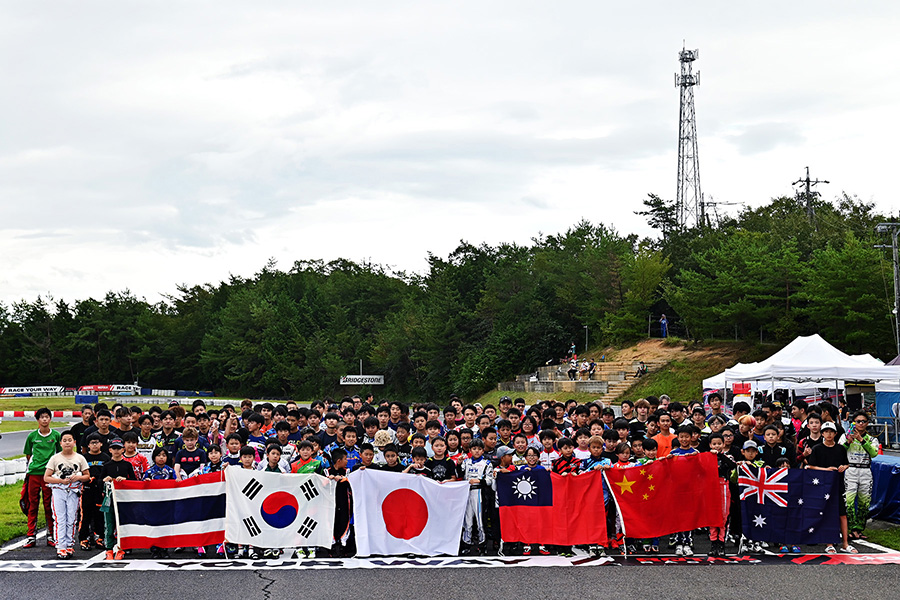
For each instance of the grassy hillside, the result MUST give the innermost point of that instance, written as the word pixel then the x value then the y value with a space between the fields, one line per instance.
pixel 682 379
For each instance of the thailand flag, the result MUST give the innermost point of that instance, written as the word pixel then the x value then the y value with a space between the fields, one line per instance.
pixel 275 510
pixel 400 513
pixel 169 513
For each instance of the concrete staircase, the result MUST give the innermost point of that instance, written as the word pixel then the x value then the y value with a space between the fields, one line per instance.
pixel 610 380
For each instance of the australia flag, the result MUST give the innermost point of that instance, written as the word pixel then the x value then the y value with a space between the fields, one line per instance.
pixel 789 506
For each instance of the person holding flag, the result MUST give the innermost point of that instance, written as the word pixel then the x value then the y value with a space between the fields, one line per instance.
pixel 831 456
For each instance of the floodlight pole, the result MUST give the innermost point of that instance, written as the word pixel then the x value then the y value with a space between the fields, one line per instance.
pixel 894 229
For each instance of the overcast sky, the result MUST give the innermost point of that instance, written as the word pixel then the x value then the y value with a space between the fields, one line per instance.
pixel 149 144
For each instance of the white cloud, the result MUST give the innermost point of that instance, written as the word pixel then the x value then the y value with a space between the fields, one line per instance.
pixel 147 145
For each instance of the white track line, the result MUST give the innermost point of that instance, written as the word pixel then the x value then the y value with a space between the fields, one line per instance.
pixel 15 546
pixel 874 545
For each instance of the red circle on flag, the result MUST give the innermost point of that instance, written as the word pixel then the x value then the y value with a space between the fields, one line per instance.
pixel 405 514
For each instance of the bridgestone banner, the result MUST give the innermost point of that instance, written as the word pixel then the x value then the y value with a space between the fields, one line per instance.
pixel 362 380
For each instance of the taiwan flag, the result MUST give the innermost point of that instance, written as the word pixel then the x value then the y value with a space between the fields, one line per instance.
pixel 540 507
pixel 789 506
pixel 679 493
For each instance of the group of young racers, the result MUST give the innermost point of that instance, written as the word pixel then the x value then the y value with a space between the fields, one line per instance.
pixel 471 443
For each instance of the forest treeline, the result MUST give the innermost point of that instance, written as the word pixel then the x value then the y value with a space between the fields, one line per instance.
pixel 481 314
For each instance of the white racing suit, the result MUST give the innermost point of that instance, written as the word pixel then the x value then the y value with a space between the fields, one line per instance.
pixel 858 480
pixel 483 470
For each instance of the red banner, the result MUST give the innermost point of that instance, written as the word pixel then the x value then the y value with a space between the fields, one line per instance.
pixel 678 493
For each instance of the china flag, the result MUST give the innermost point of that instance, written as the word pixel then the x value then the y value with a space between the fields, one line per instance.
pixel 540 507
pixel 680 493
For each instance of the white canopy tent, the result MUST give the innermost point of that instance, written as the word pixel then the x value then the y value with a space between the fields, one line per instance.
pixel 806 360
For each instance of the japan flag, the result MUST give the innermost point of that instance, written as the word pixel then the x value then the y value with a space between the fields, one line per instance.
pixel 399 513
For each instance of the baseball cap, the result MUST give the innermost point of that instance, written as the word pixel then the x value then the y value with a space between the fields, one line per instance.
pixel 503 451
pixel 116 443
pixel 829 425
pixel 750 444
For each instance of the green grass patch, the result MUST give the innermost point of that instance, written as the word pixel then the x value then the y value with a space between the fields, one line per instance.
pixel 10 426
pixel 888 536
pixel 13 523
pixel 68 402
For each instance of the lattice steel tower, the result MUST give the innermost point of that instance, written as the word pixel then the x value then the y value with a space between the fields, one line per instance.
pixel 688 199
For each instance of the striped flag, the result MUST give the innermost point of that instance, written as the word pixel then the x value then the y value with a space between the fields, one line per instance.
pixel 275 510
pixel 169 513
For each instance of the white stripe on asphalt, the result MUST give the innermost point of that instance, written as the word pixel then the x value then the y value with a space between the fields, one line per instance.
pixel 16 545
pixel 873 545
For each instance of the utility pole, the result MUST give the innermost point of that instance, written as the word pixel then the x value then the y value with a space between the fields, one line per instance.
pixel 689 208
pixel 893 229
pixel 809 193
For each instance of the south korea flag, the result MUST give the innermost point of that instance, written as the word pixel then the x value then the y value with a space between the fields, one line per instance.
pixel 274 510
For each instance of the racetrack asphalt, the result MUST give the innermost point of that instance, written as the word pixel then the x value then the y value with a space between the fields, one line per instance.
pixel 682 582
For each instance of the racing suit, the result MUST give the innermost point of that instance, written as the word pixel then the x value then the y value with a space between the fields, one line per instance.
pixel 483 470
pixel 858 479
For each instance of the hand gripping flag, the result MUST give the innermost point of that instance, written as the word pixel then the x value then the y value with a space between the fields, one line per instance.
pixel 399 513
pixel 170 514
pixel 540 507
pixel 669 495
pixel 275 510
pixel 789 506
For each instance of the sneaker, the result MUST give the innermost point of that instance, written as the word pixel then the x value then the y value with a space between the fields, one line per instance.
pixel 849 550
pixel 62 555
pixel 784 549
pixel 164 553
pixel 51 542
pixel 631 549
pixel 757 548
pixel 646 548
pixel 742 546
pixel 98 543
pixel 201 552
pixel 110 555
pixel 526 551
pixel 688 551
pixel 86 545
pixel 220 549
pixel 795 549
pixel 178 550
pixel 543 550
pixel 654 549
pixel 69 551
pixel 119 555
pixel 312 552
pixel 679 550
pixel 253 554
pixel 30 542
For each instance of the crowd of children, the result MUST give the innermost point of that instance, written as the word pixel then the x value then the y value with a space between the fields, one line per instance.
pixel 470 443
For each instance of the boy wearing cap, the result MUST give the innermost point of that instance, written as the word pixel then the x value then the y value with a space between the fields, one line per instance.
pixel 831 456
pixel 115 469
